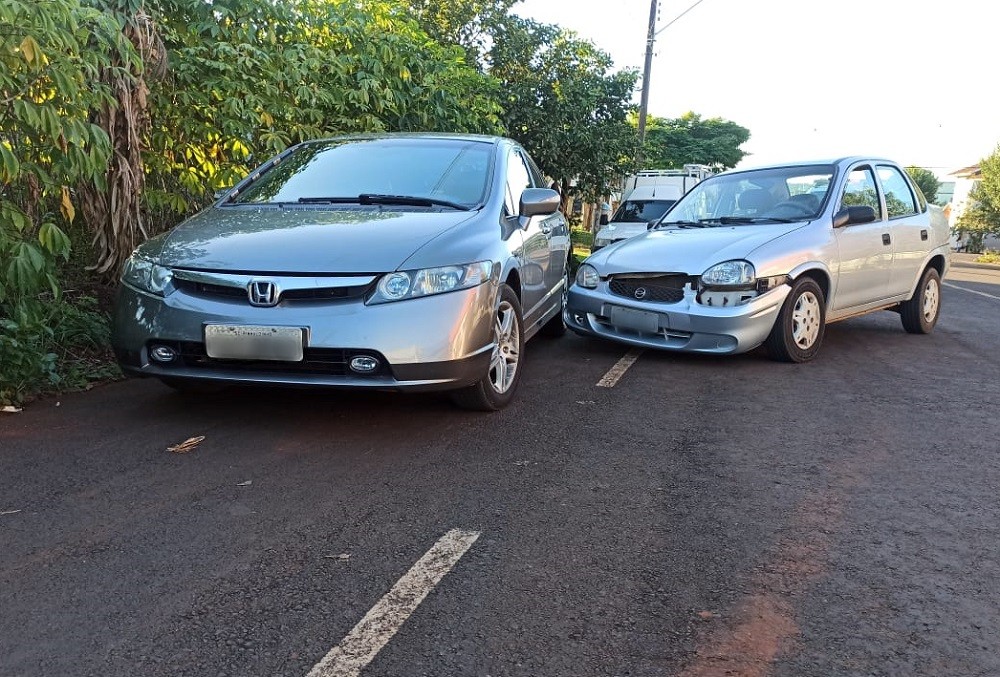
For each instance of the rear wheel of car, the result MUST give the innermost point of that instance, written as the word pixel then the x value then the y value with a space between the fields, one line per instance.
pixel 798 332
pixel 556 326
pixel 921 312
pixel 496 389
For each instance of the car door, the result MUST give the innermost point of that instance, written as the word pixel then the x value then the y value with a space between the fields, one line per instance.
pixel 534 252
pixel 909 227
pixel 865 249
pixel 556 228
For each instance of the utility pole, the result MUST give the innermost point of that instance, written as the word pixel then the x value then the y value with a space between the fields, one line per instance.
pixel 644 102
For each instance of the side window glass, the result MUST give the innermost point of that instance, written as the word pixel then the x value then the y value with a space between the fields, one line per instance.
pixel 518 178
pixel 898 196
pixel 860 190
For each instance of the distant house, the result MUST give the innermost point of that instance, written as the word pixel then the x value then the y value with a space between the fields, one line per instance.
pixel 965 180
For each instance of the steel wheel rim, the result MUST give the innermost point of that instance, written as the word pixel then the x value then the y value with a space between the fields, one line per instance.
pixel 805 320
pixel 932 300
pixel 506 348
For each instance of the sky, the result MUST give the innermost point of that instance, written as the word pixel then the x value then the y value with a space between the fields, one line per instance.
pixel 909 80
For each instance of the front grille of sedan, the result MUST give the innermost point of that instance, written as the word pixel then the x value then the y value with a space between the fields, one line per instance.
pixel 319 361
pixel 656 289
pixel 208 290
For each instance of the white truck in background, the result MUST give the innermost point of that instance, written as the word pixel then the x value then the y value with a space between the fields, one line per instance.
pixel 646 196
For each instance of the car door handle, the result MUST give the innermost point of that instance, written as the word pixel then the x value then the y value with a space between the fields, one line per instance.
pixel 886 239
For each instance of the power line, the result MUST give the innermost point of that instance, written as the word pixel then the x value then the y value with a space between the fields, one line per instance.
pixel 675 19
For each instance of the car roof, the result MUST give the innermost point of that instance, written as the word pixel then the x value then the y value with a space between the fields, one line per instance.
pixel 441 136
pixel 840 161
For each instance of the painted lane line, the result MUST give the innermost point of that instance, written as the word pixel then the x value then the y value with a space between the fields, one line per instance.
pixel 616 372
pixel 374 631
pixel 971 291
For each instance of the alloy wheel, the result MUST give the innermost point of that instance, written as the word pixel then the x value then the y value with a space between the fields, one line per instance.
pixel 506 351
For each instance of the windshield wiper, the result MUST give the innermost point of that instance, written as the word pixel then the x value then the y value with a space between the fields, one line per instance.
pixel 379 199
pixel 328 200
pixel 729 220
pixel 683 224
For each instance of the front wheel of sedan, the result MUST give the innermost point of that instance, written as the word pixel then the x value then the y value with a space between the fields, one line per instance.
pixel 496 389
pixel 798 331
pixel 920 313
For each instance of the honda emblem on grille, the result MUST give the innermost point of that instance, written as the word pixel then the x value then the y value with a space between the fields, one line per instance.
pixel 640 293
pixel 262 293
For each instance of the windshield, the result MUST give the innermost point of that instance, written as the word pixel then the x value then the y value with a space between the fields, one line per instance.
pixel 417 171
pixel 775 195
pixel 641 211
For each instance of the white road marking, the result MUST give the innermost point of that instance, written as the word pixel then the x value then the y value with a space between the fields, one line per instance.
pixel 616 372
pixel 374 631
pixel 971 291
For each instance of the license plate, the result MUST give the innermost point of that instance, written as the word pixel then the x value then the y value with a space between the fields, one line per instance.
pixel 639 320
pixel 249 342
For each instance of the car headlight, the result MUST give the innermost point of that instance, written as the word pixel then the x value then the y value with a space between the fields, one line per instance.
pixel 587 276
pixel 602 241
pixel 409 284
pixel 146 275
pixel 732 274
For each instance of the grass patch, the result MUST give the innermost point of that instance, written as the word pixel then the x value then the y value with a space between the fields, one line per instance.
pixel 988 257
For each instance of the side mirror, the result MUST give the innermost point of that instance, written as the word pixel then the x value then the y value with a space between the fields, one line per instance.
pixel 604 219
pixel 537 201
pixel 849 216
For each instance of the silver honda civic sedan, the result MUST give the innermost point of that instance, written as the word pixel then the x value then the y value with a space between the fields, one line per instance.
pixel 409 262
pixel 768 257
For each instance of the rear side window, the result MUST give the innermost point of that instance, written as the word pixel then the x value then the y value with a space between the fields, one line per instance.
pixel 899 200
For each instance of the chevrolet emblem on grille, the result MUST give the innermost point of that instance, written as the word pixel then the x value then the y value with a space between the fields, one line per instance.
pixel 640 293
pixel 262 293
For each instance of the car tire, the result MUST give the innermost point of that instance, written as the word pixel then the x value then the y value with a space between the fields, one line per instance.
pixel 556 326
pixel 921 312
pixel 496 388
pixel 798 332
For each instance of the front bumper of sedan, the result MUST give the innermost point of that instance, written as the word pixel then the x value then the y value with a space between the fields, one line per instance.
pixel 438 342
pixel 686 325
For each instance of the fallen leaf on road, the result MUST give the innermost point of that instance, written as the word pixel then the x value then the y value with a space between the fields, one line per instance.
pixel 187 445
pixel 10 410
pixel 245 484
pixel 9 512
pixel 343 557
pixel 706 615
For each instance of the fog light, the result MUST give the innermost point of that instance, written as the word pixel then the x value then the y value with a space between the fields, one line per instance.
pixel 163 353
pixel 364 364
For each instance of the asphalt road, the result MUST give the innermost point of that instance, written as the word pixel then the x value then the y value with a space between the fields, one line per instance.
pixel 701 517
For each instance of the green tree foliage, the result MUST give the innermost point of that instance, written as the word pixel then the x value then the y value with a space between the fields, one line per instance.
pixel 249 78
pixel 469 24
pixel 926 181
pixel 982 217
pixel 49 55
pixel 564 103
pixel 673 142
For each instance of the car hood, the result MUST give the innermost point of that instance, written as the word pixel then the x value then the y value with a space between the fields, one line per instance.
pixel 297 240
pixel 686 250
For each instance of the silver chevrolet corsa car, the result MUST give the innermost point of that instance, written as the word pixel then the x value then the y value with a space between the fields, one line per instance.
pixel 418 262
pixel 770 256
